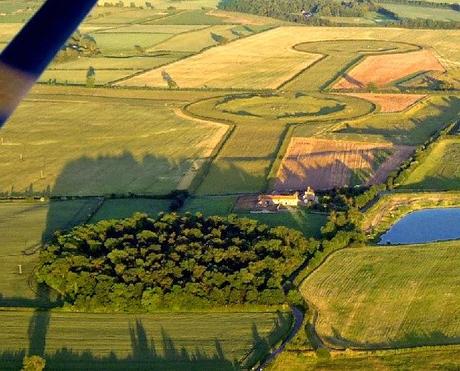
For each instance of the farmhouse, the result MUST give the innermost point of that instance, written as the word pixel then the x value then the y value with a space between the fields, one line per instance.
pixel 279 200
pixel 295 199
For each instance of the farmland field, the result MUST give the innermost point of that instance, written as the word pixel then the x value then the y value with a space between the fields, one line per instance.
pixel 414 288
pixel 269 68
pixel 124 208
pixel 121 141
pixel 172 341
pixel 411 127
pixel 327 164
pixel 390 103
pixel 411 11
pixel 244 161
pixel 197 108
pixel 382 70
pixel 441 358
pixel 440 170
pixel 79 77
pixel 199 39
pixel 338 55
pixel 23 227
pixel 309 224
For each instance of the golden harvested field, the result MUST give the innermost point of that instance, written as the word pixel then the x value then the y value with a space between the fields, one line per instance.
pixel 94 146
pixel 241 18
pixel 390 103
pixel 267 60
pixel 327 164
pixel 382 70
pixel 262 61
pixel 8 30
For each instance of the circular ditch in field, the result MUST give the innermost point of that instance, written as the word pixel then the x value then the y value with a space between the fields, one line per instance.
pixel 295 107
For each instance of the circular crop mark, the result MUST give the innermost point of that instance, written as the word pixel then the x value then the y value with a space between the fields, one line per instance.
pixel 293 107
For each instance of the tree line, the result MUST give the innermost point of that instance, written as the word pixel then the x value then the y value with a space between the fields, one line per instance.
pixel 311 12
pixel 298 10
pixel 173 261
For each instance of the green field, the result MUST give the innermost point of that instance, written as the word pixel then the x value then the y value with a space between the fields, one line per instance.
pixel 440 170
pixel 124 208
pixel 388 296
pixel 23 227
pixel 79 77
pixel 445 358
pixel 174 341
pixel 163 4
pixel 301 220
pixel 80 145
pixel 411 127
pixel 414 11
pixel 116 16
pixel 123 44
pixel 199 40
pixel 196 16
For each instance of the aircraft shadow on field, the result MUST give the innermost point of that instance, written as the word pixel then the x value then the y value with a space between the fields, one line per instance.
pixel 145 353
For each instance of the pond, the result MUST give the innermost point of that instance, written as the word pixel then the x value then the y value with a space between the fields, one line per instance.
pixel 428 225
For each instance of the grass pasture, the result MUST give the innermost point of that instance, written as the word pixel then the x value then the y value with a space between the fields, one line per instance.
pixel 79 145
pixel 23 227
pixel 164 4
pixel 193 16
pixel 411 127
pixel 440 170
pixel 415 11
pixel 122 44
pixel 78 77
pixel 124 208
pixel 198 40
pixel 169 341
pixel 115 16
pixel 440 358
pixel 300 219
pixel 388 296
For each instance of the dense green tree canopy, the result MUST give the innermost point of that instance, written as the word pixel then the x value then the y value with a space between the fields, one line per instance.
pixel 173 261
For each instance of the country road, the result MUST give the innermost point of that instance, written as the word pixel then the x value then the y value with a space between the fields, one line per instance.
pixel 298 320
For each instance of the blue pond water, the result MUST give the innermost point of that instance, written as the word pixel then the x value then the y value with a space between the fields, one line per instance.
pixel 427 225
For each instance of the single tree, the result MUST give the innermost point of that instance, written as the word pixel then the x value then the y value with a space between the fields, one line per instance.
pixel 33 363
pixel 91 77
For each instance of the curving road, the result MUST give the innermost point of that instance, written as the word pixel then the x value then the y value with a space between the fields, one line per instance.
pixel 298 320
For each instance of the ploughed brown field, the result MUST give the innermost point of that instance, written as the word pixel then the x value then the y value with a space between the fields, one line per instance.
pixel 382 70
pixel 327 164
pixel 390 103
